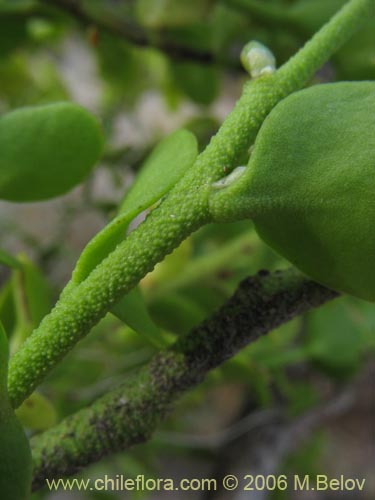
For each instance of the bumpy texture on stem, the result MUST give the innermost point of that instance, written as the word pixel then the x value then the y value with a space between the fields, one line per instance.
pixel 129 414
pixel 173 220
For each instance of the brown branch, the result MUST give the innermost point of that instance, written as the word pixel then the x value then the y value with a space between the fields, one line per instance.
pixel 129 414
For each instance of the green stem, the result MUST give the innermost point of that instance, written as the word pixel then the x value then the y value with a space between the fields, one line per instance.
pixel 324 44
pixel 184 210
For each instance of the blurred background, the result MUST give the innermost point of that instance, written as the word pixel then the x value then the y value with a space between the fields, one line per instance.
pixel 298 401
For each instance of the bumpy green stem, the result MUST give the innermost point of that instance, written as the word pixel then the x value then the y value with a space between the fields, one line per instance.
pixel 129 414
pixel 185 209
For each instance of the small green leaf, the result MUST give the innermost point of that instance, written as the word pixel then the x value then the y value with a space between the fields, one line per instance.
pixel 161 171
pixel 165 166
pixel 37 413
pixel 8 260
pixel 133 311
pixel 46 150
pixel 31 299
pixel 101 245
pixel 322 141
pixel 7 306
pixel 336 335
pixel 37 291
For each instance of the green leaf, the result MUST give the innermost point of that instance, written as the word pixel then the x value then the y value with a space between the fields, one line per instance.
pixel 8 260
pixel 46 150
pixel 37 413
pixel 133 311
pixel 161 171
pixel 4 355
pixel 32 300
pixel 102 244
pixel 7 307
pixel 322 141
pixel 199 82
pixel 37 291
pixel 336 335
pixel 165 166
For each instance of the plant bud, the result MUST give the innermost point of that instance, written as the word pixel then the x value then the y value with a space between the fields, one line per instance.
pixel 257 59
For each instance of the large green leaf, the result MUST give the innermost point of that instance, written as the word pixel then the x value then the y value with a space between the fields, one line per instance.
pixel 309 186
pixel 46 150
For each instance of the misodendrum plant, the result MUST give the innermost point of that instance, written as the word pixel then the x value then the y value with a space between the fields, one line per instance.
pixel 186 207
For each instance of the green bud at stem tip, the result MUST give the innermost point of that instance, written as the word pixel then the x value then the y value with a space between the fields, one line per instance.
pixel 257 59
